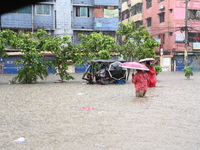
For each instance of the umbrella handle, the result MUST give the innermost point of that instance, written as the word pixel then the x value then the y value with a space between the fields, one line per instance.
pixel 128 74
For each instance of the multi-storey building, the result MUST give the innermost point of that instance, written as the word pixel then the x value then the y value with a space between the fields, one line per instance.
pixel 30 18
pixel 95 15
pixel 26 19
pixel 132 10
pixel 63 18
pixel 167 21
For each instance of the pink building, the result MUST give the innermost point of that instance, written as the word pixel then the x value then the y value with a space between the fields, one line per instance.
pixel 166 20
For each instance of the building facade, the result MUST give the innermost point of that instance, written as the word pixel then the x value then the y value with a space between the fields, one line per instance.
pixel 30 18
pixel 132 11
pixel 95 15
pixel 167 21
pixel 62 18
pixel 63 10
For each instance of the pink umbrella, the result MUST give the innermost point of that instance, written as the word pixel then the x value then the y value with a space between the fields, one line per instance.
pixel 134 65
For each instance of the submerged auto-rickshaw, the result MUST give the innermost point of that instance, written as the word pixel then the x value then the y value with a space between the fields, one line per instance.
pixel 103 72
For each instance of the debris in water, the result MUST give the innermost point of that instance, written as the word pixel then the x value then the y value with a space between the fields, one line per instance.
pixel 87 108
pixel 20 140
pixel 79 93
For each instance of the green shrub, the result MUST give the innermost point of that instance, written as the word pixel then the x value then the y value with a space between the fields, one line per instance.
pixel 158 69
pixel 188 71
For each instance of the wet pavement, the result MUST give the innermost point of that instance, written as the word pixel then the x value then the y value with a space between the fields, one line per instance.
pixel 49 115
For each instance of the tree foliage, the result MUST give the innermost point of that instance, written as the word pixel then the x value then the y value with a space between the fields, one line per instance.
pixel 7 38
pixel 158 69
pixel 33 47
pixel 188 71
pixel 97 46
pixel 32 65
pixel 64 54
pixel 138 43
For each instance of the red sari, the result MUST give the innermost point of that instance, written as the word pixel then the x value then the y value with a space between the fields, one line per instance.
pixel 152 75
pixel 140 80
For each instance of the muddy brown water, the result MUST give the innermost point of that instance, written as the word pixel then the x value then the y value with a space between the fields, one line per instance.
pixel 49 116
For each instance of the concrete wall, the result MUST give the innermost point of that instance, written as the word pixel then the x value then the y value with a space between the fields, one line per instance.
pixel 63 17
pixel 82 2
pixel 16 20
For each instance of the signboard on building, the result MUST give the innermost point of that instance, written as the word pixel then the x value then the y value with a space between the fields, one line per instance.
pixel 179 38
pixel 196 45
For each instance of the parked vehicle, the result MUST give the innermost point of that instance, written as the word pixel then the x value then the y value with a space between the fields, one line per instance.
pixel 103 72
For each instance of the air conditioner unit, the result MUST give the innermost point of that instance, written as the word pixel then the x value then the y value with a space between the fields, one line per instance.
pixel 161 7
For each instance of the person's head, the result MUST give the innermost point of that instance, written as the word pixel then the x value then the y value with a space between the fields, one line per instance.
pixel 102 66
pixel 148 63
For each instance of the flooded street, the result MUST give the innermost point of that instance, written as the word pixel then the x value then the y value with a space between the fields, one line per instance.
pixel 49 116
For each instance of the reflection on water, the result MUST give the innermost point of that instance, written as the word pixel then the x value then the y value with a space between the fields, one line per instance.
pixel 49 115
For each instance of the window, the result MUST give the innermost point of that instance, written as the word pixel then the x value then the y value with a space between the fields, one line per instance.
pixel 136 9
pixel 160 1
pixel 193 37
pixel 125 14
pixel 161 17
pixel 82 12
pixel 193 14
pixel 149 22
pixel 138 23
pixel 42 9
pixel 148 3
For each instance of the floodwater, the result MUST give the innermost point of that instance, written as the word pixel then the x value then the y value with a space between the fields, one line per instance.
pixel 48 115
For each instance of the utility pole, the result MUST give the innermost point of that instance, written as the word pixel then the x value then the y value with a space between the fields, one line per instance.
pixel 186 34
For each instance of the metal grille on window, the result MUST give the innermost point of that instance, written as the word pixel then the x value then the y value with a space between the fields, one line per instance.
pixel 148 3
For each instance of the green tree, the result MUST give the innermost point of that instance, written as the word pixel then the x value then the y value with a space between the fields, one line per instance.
pixel 97 46
pixel 7 38
pixel 138 43
pixel 32 65
pixel 65 53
